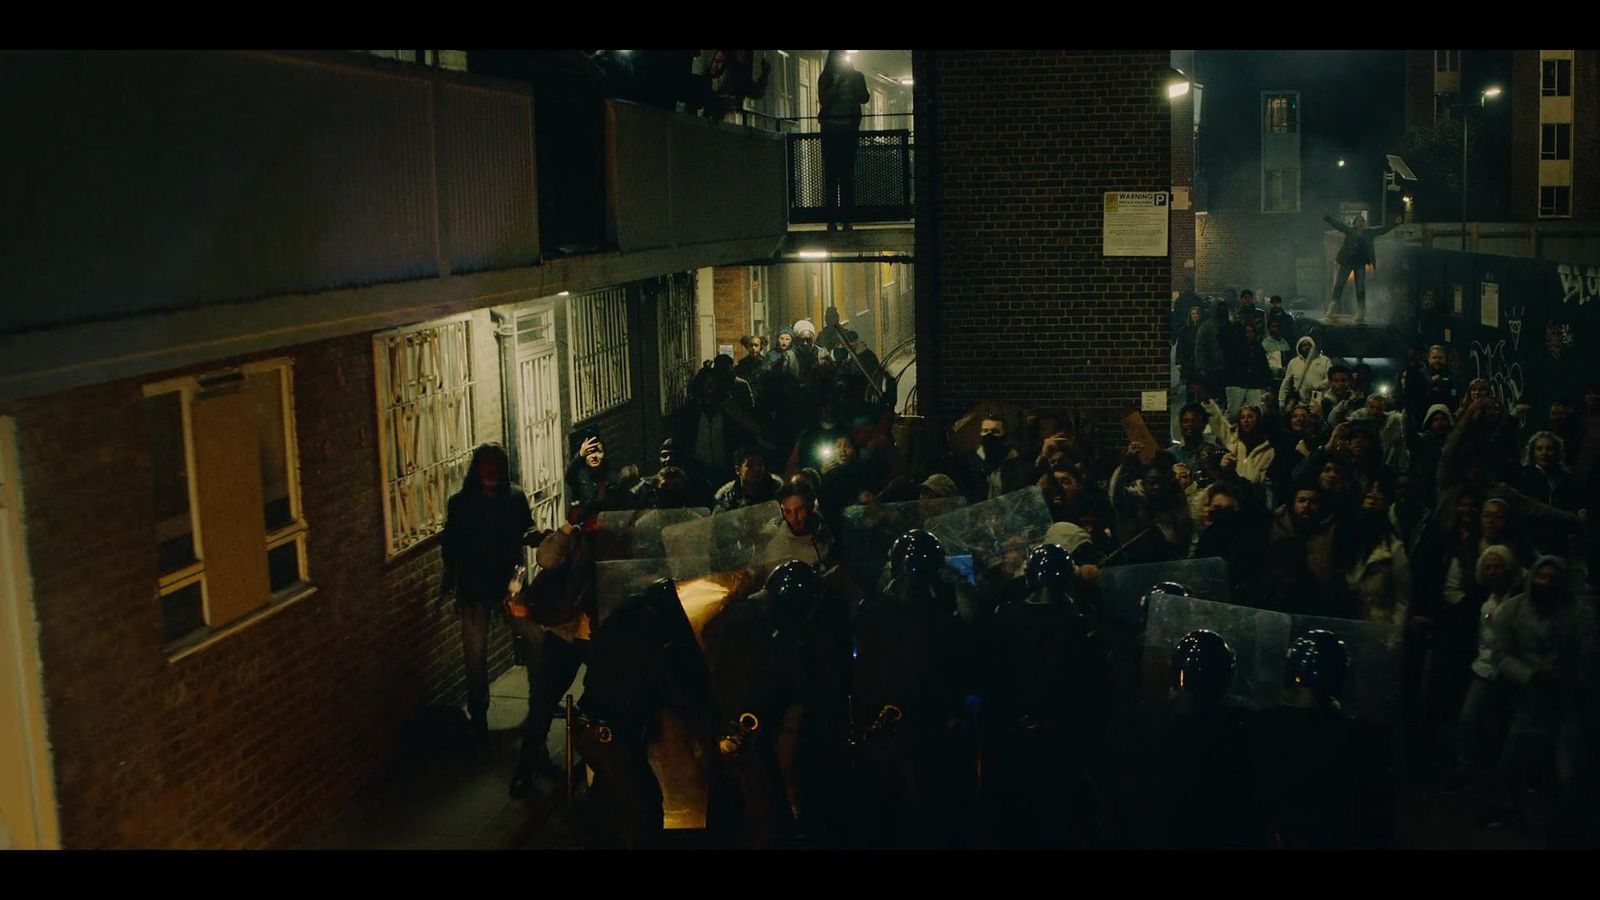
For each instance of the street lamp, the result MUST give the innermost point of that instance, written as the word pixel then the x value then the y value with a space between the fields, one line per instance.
pixel 1483 100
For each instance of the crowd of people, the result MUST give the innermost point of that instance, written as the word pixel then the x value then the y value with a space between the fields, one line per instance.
pixel 1434 510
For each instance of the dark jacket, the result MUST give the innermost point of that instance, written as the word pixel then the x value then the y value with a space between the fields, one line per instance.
pixel 1357 248
pixel 483 536
pixel 974 472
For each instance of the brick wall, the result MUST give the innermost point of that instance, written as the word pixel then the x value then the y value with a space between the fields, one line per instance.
pixel 1242 248
pixel 261 736
pixel 730 293
pixel 1024 307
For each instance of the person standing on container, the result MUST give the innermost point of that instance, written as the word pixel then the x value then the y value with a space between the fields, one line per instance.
pixel 841 90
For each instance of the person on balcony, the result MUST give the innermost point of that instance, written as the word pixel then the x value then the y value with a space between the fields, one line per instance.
pixel 842 90
pixel 733 81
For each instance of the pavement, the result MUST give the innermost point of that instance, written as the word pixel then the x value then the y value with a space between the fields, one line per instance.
pixel 449 792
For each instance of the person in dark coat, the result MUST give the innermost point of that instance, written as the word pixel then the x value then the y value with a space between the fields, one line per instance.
pixel 486 523
pixel 1355 255
pixel 841 89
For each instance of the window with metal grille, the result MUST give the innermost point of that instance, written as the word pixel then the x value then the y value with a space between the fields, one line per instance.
pixel 1555 141
pixel 1447 60
pixel 1555 200
pixel 678 338
pixel 1282 113
pixel 598 325
pixel 425 392
pixel 1557 80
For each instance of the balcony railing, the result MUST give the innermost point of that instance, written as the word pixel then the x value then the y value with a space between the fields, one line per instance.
pixel 884 189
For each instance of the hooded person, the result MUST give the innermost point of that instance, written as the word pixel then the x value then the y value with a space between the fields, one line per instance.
pixel 1424 449
pixel 486 524
pixel 1306 375
pixel 806 351
pixel 1540 640
pixel 1546 477
pixel 1488 700
pixel 782 356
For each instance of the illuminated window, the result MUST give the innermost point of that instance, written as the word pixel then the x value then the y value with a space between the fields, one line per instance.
pixel 1282 113
pixel 1557 80
pixel 598 324
pixel 1555 141
pixel 425 395
pixel 225 544
pixel 1555 201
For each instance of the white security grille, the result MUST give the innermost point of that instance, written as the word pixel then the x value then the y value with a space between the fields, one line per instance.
pixel 425 411
pixel 539 417
pixel 598 324
pixel 678 339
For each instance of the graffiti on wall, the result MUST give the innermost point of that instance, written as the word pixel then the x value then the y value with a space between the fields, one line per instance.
pixel 1580 284
pixel 1557 338
pixel 1505 379
pixel 1514 317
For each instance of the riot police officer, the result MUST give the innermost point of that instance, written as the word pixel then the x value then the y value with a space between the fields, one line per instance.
pixel 1206 794
pixel 1325 778
pixel 643 660
pixel 753 680
pixel 909 681
pixel 1045 708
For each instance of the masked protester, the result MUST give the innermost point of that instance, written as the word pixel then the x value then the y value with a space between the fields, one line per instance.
pixel 995 468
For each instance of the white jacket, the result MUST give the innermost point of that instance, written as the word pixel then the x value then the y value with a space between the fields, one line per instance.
pixel 1308 375
pixel 1251 465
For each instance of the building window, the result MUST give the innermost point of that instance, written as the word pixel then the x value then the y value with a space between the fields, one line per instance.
pixel 1555 141
pixel 425 396
pixel 1443 107
pixel 1280 190
pixel 1447 60
pixel 598 324
pixel 230 532
pixel 1282 113
pixel 1555 201
pixel 678 339
pixel 1557 81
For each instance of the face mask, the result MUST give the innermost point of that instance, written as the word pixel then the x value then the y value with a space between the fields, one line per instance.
pixel 1225 516
pixel 993 445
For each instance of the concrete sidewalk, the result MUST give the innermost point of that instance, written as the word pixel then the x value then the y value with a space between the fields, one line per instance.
pixel 454 797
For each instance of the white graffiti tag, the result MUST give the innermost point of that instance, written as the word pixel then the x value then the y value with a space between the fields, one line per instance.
pixel 1514 325
pixel 1504 377
pixel 1580 285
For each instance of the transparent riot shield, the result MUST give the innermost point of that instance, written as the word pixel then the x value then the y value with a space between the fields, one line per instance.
pixel 1372 682
pixel 1122 589
pixel 677 756
pixel 1258 637
pixel 866 533
pixel 998 533
pixel 727 540
pixel 636 533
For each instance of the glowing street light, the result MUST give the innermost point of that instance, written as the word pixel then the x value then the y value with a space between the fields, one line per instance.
pixel 1177 89
pixel 1341 163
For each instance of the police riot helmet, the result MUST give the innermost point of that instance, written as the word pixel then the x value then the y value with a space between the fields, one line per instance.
pixel 1202 665
pixel 1318 662
pixel 794 586
pixel 1049 566
pixel 916 553
pixel 1161 587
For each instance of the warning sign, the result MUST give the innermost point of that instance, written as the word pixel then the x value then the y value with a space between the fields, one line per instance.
pixel 1135 223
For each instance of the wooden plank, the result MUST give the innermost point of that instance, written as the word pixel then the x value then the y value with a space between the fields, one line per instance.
pixel 228 471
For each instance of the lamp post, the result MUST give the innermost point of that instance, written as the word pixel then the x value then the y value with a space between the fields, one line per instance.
pixel 1483 100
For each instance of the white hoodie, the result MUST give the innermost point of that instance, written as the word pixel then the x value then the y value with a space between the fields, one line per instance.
pixel 1307 375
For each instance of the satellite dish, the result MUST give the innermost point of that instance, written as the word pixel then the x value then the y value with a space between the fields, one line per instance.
pixel 1400 168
